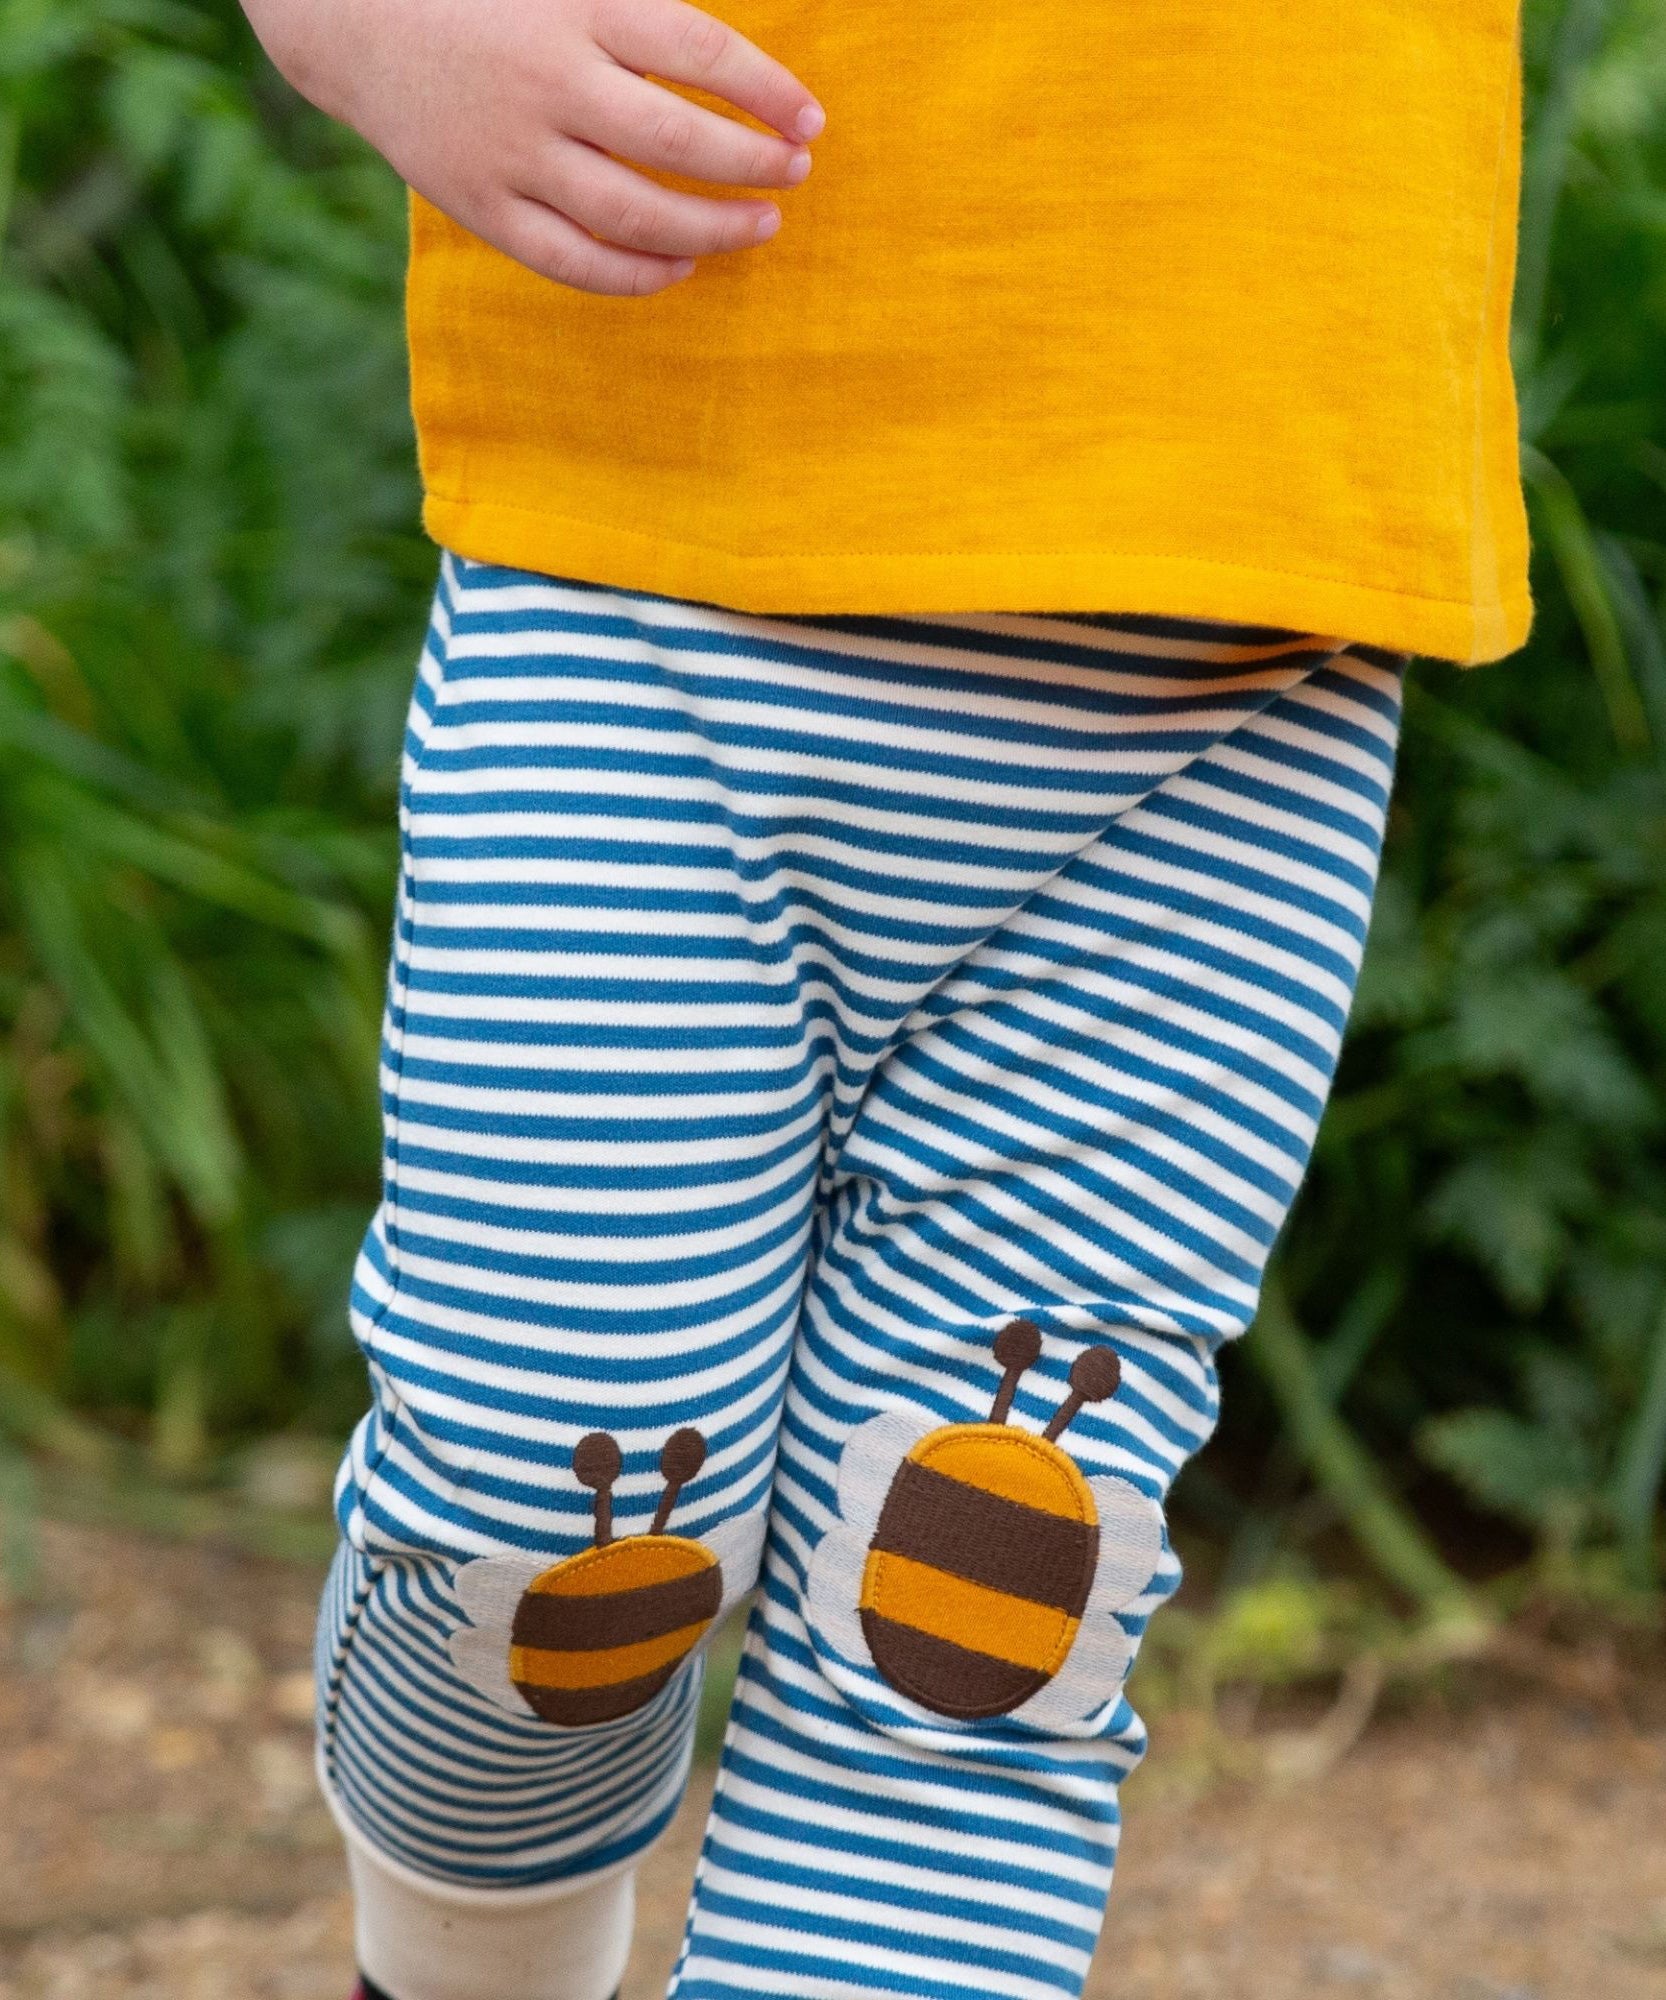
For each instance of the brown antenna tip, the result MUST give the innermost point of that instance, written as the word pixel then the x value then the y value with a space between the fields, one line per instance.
pixel 596 1462
pixel 1095 1375
pixel 1018 1344
pixel 683 1455
pixel 1017 1347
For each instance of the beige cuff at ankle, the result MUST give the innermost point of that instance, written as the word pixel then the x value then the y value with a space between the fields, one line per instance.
pixel 420 1939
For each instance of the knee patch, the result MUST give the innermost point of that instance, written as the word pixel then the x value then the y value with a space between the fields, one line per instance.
pixel 595 1636
pixel 976 1570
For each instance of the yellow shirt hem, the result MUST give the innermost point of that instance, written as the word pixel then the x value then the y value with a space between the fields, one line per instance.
pixel 902 582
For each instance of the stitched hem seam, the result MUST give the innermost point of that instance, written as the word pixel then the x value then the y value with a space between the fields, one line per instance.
pixel 1037 582
pixel 1090 552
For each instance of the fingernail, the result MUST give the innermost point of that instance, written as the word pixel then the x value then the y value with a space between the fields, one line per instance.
pixel 682 267
pixel 768 223
pixel 810 121
pixel 797 167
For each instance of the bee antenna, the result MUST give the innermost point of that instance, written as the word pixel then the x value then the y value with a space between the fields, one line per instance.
pixel 596 1462
pixel 1095 1375
pixel 1017 1348
pixel 682 1458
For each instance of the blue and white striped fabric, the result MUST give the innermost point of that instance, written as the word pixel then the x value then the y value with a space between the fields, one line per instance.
pixel 779 1006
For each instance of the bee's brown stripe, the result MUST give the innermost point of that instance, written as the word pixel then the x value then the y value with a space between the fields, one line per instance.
pixel 574 1708
pixel 944 1677
pixel 987 1539
pixel 589 1623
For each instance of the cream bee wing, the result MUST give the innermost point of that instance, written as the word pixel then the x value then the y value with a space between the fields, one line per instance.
pixel 1100 1656
pixel 1130 1545
pixel 738 1544
pixel 1130 1550
pixel 489 1590
pixel 834 1592
pixel 867 1466
pixel 481 1655
pixel 872 1453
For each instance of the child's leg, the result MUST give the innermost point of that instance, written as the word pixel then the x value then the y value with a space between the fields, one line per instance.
pixel 1096 1126
pixel 603 1114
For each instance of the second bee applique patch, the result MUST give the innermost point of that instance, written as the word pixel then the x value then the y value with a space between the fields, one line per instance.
pixel 596 1635
pixel 976 1567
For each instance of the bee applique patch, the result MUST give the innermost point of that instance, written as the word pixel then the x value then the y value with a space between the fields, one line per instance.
pixel 597 1635
pixel 976 1566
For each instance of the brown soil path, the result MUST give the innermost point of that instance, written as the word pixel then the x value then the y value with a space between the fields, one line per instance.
pixel 161 1840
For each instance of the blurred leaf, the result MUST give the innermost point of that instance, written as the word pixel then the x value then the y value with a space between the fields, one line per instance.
pixel 1640 1471
pixel 1520 1468
pixel 212 588
pixel 1586 580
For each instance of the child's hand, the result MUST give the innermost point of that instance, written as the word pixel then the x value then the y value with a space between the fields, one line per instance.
pixel 503 113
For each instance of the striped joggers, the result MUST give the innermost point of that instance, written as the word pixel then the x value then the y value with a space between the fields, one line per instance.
pixel 842 1078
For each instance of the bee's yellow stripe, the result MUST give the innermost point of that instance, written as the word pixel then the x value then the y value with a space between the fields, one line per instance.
pixel 967 1614
pixel 622 1566
pixel 534 1666
pixel 994 1458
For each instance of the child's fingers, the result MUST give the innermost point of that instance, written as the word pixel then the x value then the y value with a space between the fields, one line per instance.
pixel 643 121
pixel 684 44
pixel 557 248
pixel 624 207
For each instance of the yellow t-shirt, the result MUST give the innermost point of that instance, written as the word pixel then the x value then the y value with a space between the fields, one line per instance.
pixel 1196 307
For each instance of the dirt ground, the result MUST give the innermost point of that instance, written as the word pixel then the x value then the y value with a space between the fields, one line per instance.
pixel 160 1837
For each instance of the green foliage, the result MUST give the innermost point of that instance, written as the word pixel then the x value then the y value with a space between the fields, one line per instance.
pixel 211 593
pixel 1494 1164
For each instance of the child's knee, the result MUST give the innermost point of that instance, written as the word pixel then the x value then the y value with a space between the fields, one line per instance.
pixel 440 1777
pixel 595 1635
pixel 519 1715
pixel 986 1582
